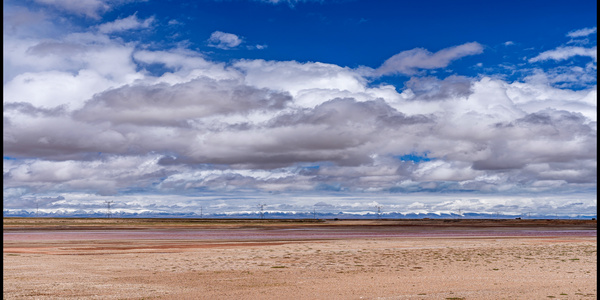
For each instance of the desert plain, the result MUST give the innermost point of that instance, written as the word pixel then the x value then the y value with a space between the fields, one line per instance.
pixel 69 258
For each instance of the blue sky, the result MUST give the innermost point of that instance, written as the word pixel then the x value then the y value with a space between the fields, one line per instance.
pixel 415 106
pixel 365 33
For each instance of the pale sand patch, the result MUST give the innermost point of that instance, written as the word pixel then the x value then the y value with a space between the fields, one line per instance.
pixel 358 268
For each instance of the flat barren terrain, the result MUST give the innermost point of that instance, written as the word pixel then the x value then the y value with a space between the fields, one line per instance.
pixel 299 259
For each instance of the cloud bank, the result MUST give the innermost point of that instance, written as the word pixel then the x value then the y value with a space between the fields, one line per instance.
pixel 92 119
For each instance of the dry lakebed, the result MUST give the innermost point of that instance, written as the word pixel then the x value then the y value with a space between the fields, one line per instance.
pixel 55 258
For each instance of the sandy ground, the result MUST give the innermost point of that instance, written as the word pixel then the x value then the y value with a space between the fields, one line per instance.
pixel 467 263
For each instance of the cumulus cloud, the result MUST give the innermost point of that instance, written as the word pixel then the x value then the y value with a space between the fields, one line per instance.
pixel 432 88
pixel 87 176
pixel 163 104
pixel 301 78
pixel 87 116
pixel 19 20
pixel 90 8
pixel 206 122
pixel 130 23
pixel 69 67
pixel 565 76
pixel 223 40
pixel 181 65
pixel 409 62
pixel 72 70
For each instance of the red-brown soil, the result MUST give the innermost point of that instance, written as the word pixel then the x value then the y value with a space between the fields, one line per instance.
pixel 299 259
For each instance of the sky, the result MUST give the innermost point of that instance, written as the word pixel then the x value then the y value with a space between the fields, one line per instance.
pixel 224 106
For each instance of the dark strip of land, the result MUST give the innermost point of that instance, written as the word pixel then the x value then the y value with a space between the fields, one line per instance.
pixel 10 224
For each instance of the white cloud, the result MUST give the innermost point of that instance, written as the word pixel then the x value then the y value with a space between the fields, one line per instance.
pixel 563 53
pixel 565 76
pixel 467 133
pixel 291 3
pixel 223 40
pixel 69 71
pixel 129 23
pixel 106 177
pixel 301 78
pixel 257 47
pixel 581 32
pixel 59 88
pixel 171 104
pixel 89 8
pixel 88 114
pixel 409 62
pixel 182 66
pixel 19 20
pixel 444 171
pixel 22 29
pixel 536 94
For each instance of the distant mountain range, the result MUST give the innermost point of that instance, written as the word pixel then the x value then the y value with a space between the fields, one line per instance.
pixel 290 215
